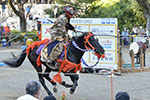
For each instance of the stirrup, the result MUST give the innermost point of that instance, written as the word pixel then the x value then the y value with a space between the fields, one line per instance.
pixel 51 65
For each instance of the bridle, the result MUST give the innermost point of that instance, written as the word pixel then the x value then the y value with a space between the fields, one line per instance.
pixel 91 48
pixel 87 41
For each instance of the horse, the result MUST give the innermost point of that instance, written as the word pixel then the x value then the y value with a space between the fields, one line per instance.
pixel 73 54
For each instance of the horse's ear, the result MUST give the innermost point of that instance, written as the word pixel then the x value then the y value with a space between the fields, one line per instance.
pixel 85 33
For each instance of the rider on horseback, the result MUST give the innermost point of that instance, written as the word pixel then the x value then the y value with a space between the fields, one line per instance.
pixel 59 34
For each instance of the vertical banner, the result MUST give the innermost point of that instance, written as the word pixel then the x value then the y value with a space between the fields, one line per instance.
pixel 105 29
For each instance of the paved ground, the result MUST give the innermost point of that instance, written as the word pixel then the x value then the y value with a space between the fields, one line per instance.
pixel 91 86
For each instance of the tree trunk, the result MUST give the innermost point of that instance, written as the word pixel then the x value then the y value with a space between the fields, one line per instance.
pixel 20 12
pixel 23 24
pixel 146 11
pixel 147 24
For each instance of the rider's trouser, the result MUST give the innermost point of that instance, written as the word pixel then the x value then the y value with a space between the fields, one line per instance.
pixel 56 51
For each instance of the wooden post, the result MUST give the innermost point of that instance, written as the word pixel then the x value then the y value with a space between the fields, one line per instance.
pixel 132 59
pixel 141 58
pixel 119 59
pixel 119 54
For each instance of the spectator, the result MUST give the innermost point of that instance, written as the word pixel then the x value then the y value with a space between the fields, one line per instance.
pixel 6 32
pixel 37 17
pixel 1 30
pixel 141 31
pixel 9 12
pixel 134 30
pixel 33 29
pixel 32 91
pixel 125 36
pixel 49 98
pixel 30 16
pixel 122 96
pixel 12 27
pixel 28 10
pixel 3 9
pixel 39 29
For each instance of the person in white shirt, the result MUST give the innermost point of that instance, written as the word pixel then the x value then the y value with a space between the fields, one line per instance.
pixel 32 91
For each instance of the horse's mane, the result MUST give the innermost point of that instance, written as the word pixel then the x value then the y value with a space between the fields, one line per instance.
pixel 79 36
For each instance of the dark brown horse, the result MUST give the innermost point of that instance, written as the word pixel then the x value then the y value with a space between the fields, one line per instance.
pixel 74 52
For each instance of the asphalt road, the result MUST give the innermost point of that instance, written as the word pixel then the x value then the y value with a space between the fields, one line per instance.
pixel 91 86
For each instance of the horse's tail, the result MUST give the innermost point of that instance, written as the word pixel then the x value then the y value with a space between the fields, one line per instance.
pixel 16 61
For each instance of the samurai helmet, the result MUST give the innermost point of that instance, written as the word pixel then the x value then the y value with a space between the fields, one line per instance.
pixel 70 10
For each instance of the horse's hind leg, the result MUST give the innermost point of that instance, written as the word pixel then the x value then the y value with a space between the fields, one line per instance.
pixel 65 84
pixel 74 79
pixel 41 79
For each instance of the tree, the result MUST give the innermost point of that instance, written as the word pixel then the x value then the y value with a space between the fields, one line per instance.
pixel 82 6
pixel 128 13
pixel 145 5
pixel 20 12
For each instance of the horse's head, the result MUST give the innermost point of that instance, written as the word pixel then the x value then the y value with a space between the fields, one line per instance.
pixel 92 43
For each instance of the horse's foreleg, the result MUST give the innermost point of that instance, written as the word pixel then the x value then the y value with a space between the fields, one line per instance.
pixel 41 79
pixel 46 75
pixel 74 79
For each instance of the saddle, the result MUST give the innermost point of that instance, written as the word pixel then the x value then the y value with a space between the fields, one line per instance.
pixel 46 49
pixel 49 52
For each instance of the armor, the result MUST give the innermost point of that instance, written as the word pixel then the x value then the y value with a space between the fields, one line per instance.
pixel 59 33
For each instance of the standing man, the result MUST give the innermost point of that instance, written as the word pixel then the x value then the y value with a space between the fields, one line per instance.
pixel 32 91
pixel 59 34
pixel 39 29
pixel 125 36
pixel 3 8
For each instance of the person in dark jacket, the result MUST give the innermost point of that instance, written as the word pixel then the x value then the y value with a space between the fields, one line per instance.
pixel 50 97
pixel 122 96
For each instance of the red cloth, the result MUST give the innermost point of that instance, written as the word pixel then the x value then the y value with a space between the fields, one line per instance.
pixel 37 43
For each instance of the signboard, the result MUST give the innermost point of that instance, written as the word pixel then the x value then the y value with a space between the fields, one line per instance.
pixel 104 29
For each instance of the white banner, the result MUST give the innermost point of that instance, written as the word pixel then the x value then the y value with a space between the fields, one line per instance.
pixel 99 26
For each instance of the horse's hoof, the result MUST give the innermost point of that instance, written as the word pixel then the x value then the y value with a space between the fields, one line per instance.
pixel 55 89
pixel 71 91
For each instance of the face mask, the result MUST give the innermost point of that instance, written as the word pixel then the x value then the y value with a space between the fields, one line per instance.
pixel 40 94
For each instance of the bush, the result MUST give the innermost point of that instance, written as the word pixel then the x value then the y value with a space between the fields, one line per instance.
pixel 21 37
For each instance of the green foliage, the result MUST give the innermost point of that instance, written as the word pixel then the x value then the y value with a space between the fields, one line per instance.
pixel 51 11
pixel 128 12
pixel 32 35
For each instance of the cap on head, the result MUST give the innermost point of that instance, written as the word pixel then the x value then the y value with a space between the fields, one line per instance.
pixel 70 10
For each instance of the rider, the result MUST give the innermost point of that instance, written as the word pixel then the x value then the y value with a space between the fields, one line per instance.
pixel 59 33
